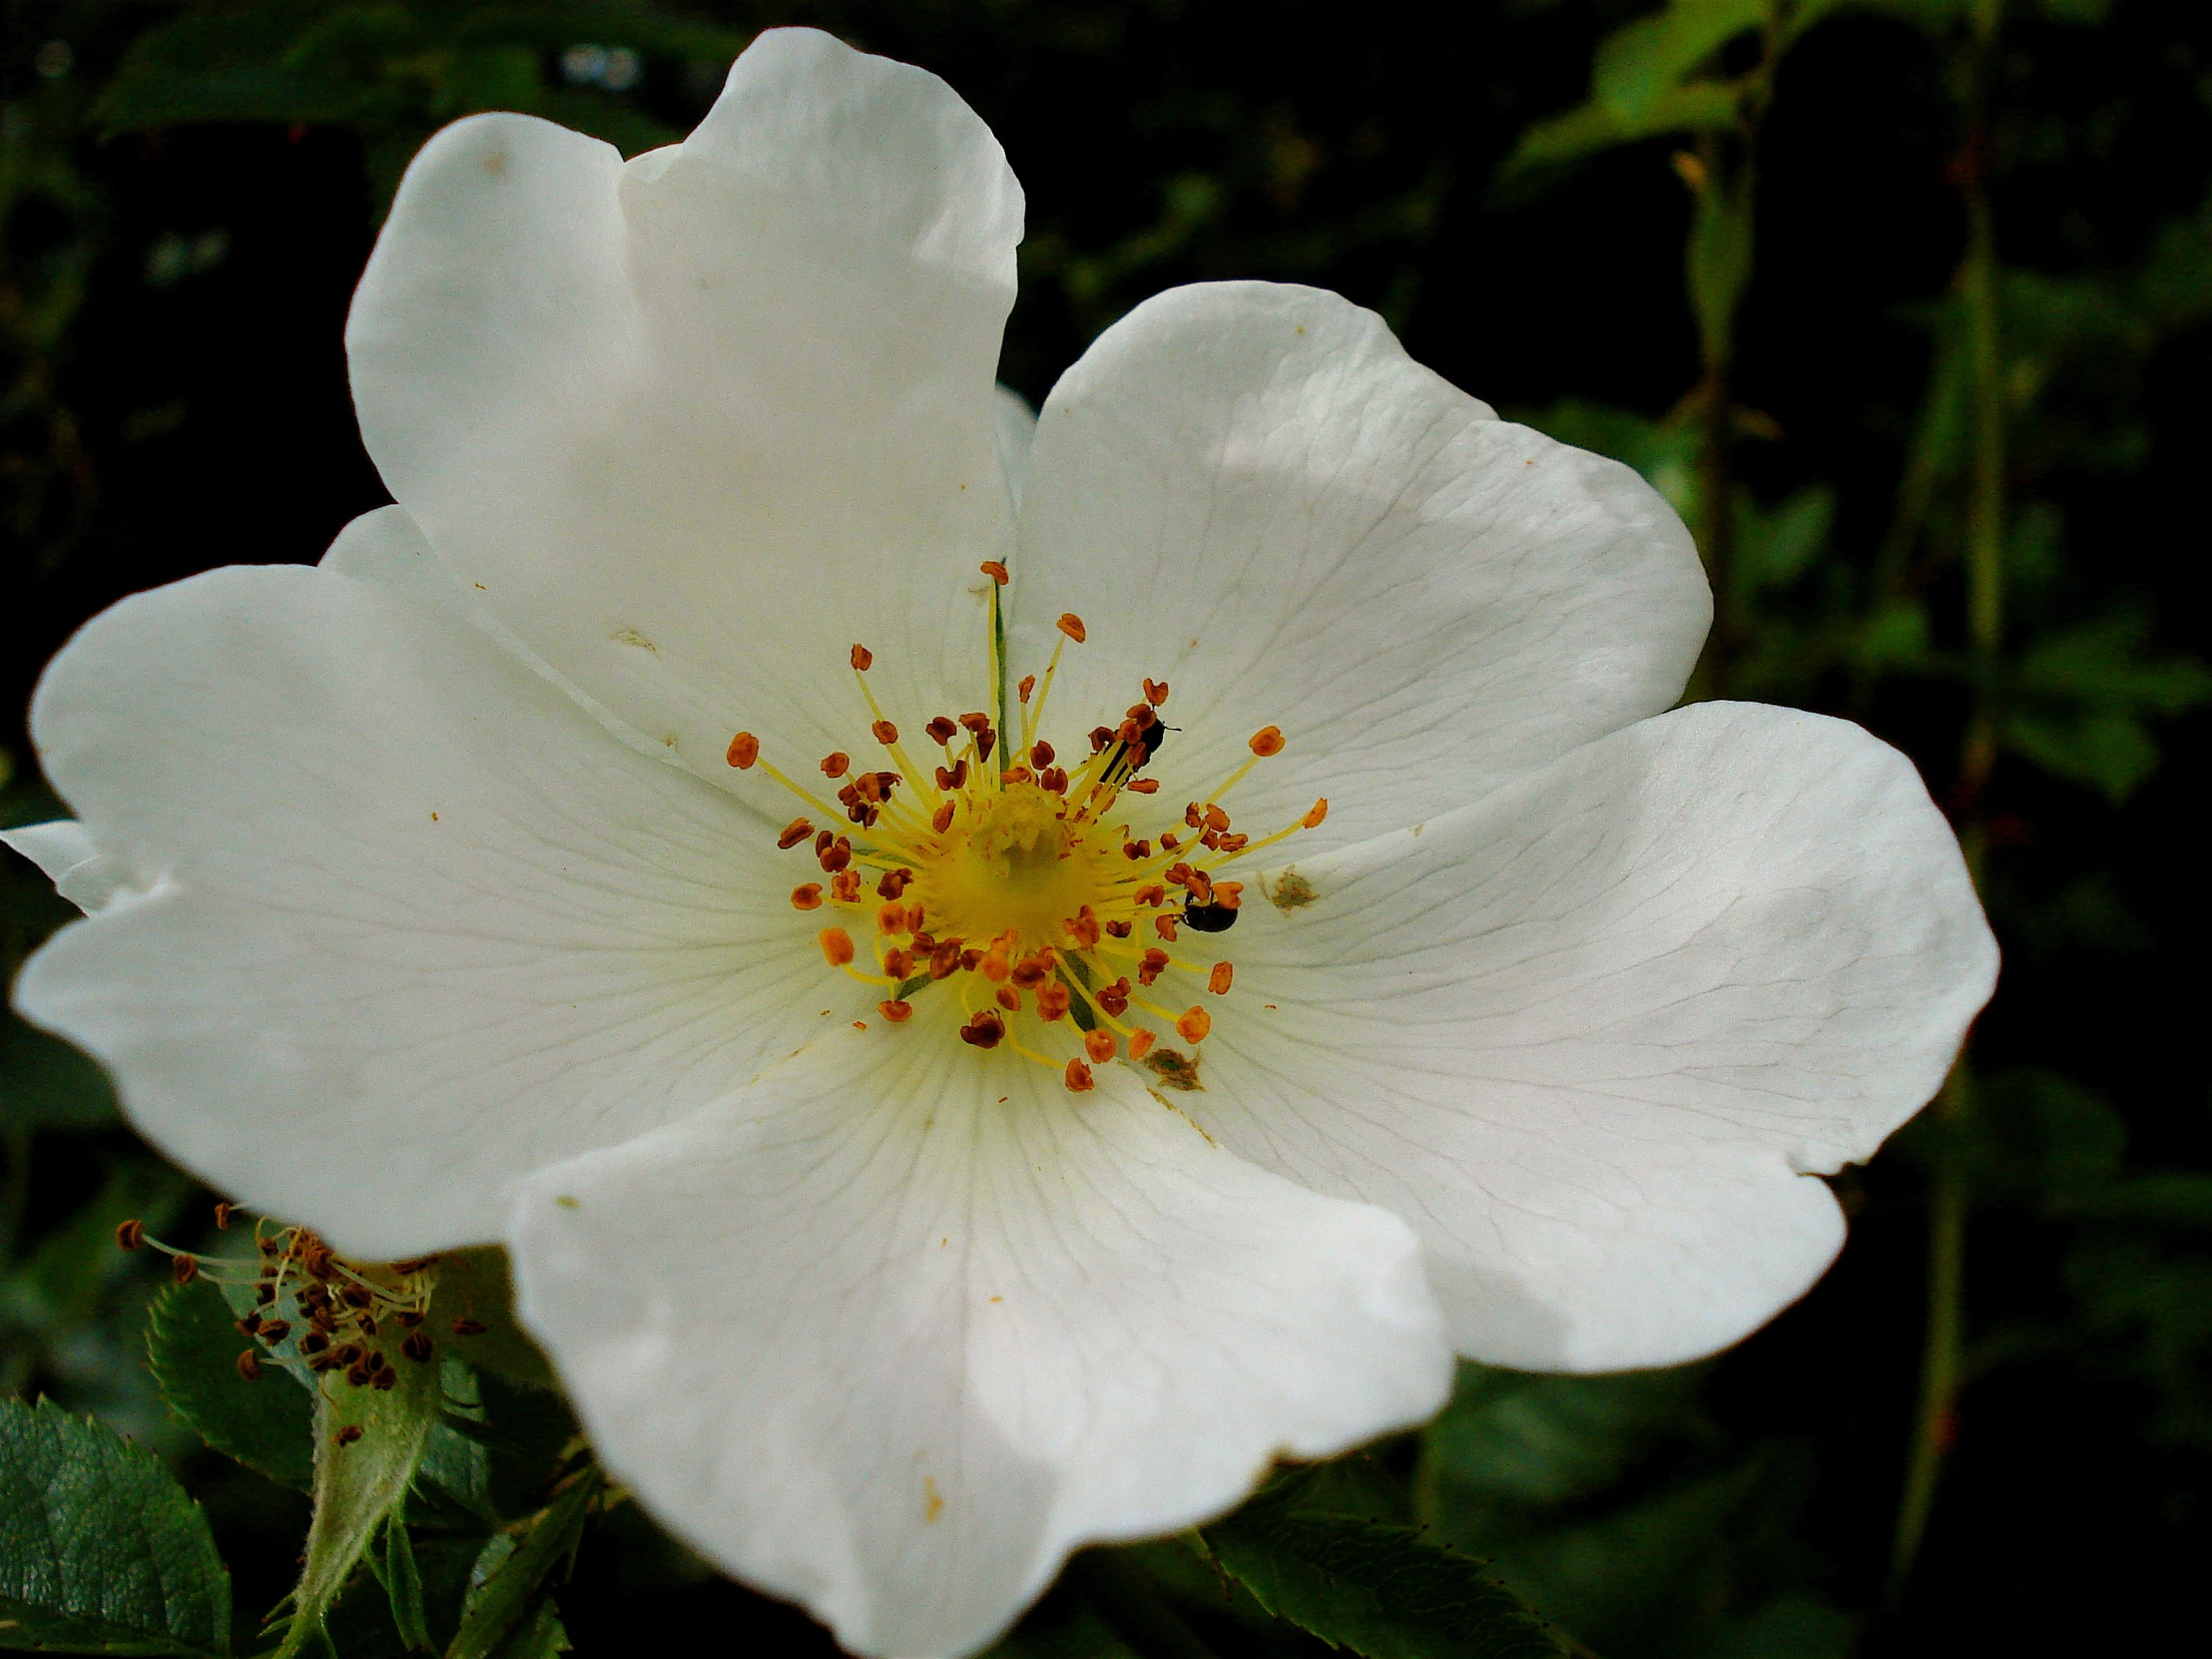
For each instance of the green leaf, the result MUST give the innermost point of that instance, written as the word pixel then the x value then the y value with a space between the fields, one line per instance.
pixel 1639 65
pixel 192 1347
pixel 1702 106
pixel 540 1636
pixel 359 1482
pixel 2081 697
pixel 1717 258
pixel 1382 1591
pixel 403 1580
pixel 100 1548
pixel 515 1565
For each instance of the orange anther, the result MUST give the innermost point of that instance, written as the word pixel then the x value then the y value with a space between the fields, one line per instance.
pixel 1100 738
pixel 1032 971
pixel 1152 893
pixel 1040 754
pixel 891 919
pixel 1218 980
pixel 1099 1045
pixel 797 830
pixel 1228 895
pixel 1321 810
pixel 1009 1000
pixel 1140 1045
pixel 1156 691
pixel 1083 928
pixel 1071 625
pixel 1113 999
pixel 835 764
pixel 837 946
pixel 1267 740
pixel 1216 819
pixel 1165 927
pixel 1143 786
pixel 893 883
pixel 1194 1024
pixel 996 963
pixel 1079 1078
pixel 995 571
pixel 808 898
pixel 1028 684
pixel 863 659
pixel 1118 930
pixel 1052 1001
pixel 899 1013
pixel 900 964
pixel 941 729
pixel 941 819
pixel 885 732
pixel 836 855
pixel 976 721
pixel 944 958
pixel 984 1030
pixel 1151 967
pixel 845 887
pixel 744 749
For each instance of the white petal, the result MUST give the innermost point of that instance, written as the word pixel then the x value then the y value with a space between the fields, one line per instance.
pixel 64 853
pixel 879 1340
pixel 1251 492
pixel 696 424
pixel 1017 432
pixel 1591 1036
pixel 412 923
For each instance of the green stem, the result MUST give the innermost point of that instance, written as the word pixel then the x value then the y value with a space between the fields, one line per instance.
pixel 1941 1363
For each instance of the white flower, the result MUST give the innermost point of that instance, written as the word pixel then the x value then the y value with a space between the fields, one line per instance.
pixel 431 901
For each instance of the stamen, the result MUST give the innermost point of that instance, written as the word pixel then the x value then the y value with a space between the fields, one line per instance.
pixel 744 749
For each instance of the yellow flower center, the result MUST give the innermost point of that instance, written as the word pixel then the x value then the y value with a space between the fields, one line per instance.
pixel 1022 887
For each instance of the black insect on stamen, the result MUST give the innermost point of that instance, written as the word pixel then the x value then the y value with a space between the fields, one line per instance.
pixel 1209 919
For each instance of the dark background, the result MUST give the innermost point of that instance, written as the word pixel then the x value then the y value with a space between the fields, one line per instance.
pixel 188 194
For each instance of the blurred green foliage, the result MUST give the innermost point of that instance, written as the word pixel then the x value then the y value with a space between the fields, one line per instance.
pixel 1903 304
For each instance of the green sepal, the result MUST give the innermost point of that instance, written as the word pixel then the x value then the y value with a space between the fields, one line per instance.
pixel 359 1483
pixel 191 1348
pixel 403 1580
pixel 907 987
pixel 475 1284
pixel 514 1564
pixel 1382 1591
pixel 101 1551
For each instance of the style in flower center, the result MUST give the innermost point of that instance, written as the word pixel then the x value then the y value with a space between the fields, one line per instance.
pixel 1000 877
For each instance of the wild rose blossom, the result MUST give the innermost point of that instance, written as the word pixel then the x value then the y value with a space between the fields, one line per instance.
pixel 990 984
